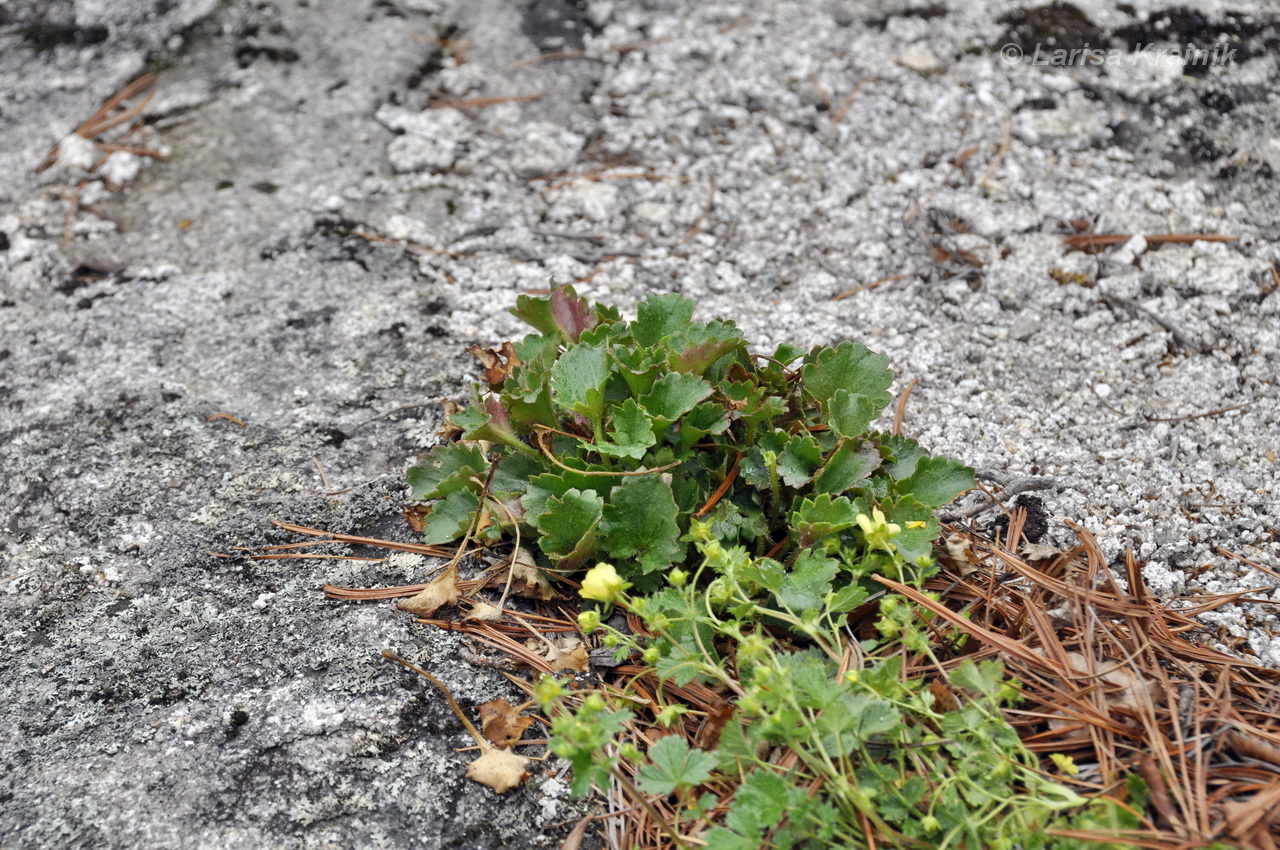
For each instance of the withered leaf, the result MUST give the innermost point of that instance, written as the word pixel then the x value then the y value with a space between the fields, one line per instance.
pixel 481 610
pixel 448 432
pixel 495 369
pixel 565 652
pixel 442 591
pixel 526 579
pixel 501 723
pixel 501 770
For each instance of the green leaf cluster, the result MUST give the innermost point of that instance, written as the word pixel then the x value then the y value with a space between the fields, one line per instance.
pixel 606 437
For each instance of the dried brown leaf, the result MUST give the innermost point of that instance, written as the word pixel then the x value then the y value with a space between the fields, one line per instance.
pixel 443 590
pixel 448 432
pixel 481 610
pixel 526 579
pixel 495 369
pixel 502 724
pixel 565 652
pixel 960 550
pixel 501 770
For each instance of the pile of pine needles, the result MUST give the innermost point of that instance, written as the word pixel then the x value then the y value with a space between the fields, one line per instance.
pixel 1122 683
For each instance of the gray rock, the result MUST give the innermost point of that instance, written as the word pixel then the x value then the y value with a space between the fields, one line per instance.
pixel 160 696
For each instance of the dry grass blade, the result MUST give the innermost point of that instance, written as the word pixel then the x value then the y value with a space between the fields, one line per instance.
pixel 1093 243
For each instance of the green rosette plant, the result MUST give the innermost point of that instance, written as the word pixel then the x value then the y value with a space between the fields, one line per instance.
pixel 605 438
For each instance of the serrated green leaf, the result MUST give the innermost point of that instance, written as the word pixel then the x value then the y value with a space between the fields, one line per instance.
pixel 719 838
pixel 450 517
pixel 807 584
pixel 697 347
pixel 514 473
pixel 707 419
pixel 822 516
pixel 814 679
pixel 674 766
pixel 855 718
pixel 849 366
pixel 630 432
pixel 673 395
pixel 562 312
pixel 444 469
pixel 985 678
pixel 851 462
pixel 568 527
pixel 847 598
pixel 904 454
pixel 640 524
pixel 764 572
pixel 937 480
pixel 578 380
pixel 849 414
pixel 760 804
pixel 660 316
pixel 639 367
pixel 735 751
pixel 800 458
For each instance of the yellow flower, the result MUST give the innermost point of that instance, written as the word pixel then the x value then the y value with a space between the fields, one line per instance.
pixel 1065 763
pixel 877 530
pixel 603 584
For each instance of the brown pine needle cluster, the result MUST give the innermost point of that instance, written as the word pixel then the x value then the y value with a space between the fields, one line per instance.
pixel 1121 683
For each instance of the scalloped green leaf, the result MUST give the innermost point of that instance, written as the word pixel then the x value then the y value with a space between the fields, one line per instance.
pixel 578 380
pixel 937 480
pixel 753 404
pixel 488 420
pixel 708 419
pixel 851 462
pixel 849 414
pixel 450 517
pixel 697 347
pixel 822 516
pixel 569 527
pixel 444 469
pixel 674 395
pixel 849 366
pixel 562 312
pixel 660 316
pixel 904 454
pixel 640 525
pixel 754 470
pixel 639 367
pixel 800 459
pixel 630 432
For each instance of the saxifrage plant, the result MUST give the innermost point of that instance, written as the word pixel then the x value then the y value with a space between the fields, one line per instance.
pixel 606 437
pixel 739 507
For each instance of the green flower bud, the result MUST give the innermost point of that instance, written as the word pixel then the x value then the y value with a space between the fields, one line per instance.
pixel 589 621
